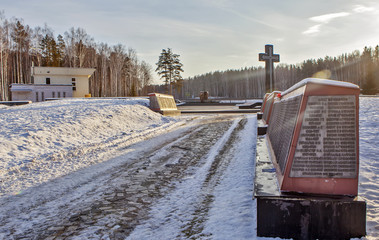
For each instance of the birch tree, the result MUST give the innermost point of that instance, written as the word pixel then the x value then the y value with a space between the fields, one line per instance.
pixel 4 53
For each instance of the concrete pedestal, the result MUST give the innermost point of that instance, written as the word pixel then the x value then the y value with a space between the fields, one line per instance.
pixel 297 216
pixel 310 218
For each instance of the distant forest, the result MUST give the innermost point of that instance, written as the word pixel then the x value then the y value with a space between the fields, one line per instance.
pixel 118 70
pixel 358 68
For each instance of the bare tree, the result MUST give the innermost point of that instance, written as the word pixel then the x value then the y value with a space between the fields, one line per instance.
pixel 117 58
pixel 145 77
pixel 4 54
pixel 103 69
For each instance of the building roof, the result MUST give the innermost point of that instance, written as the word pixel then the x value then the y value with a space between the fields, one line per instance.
pixel 20 87
pixel 62 71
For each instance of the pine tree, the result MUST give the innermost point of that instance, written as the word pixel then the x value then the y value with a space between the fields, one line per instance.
pixel 169 68
pixel 163 66
pixel 61 45
pixel 369 86
pixel 48 47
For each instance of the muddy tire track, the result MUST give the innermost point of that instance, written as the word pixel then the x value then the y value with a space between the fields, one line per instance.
pixel 135 186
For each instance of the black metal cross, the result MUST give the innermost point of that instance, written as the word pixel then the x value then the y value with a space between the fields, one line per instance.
pixel 269 57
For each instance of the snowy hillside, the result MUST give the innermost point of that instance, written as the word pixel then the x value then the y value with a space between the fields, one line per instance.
pixel 47 140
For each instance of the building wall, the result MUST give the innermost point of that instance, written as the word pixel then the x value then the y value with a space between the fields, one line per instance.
pixel 38 93
pixel 52 91
pixel 82 87
pixel 22 96
pixel 62 71
pixel 54 79
pixel 77 77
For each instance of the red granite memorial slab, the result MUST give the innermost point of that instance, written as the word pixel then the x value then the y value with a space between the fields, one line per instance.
pixel 260 113
pixel 269 106
pixel 313 137
pixel 264 102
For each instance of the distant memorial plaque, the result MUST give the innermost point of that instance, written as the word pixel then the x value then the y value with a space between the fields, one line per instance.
pixel 264 102
pixel 314 139
pixel 260 113
pixel 164 104
pixel 269 103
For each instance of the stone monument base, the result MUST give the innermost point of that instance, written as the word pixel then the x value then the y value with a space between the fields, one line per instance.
pixel 262 127
pixel 170 112
pixel 310 218
pixel 300 216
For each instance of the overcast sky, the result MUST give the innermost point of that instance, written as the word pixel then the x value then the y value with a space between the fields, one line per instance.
pixel 213 35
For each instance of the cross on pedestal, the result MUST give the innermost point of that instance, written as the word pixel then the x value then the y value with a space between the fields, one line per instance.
pixel 269 57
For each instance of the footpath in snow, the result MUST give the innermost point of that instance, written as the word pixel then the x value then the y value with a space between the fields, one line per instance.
pixel 216 201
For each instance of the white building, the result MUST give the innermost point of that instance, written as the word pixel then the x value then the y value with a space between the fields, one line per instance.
pixel 54 82
pixel 40 92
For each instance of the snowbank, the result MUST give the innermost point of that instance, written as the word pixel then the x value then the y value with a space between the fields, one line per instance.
pixel 369 164
pixel 44 140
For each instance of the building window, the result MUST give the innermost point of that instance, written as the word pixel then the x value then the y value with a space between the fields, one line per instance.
pixel 64 94
pixel 73 84
pixel 43 96
pixel 59 94
pixel 53 94
pixel 47 80
pixel 36 96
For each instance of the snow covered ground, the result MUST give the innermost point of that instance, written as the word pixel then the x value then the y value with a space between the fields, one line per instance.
pixel 369 161
pixel 56 159
pixel 46 140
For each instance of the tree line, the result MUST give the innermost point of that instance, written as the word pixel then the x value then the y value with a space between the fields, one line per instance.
pixel 361 68
pixel 119 72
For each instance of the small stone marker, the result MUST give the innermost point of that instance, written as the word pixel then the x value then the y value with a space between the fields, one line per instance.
pixel 163 103
pixel 204 96
pixel 269 57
